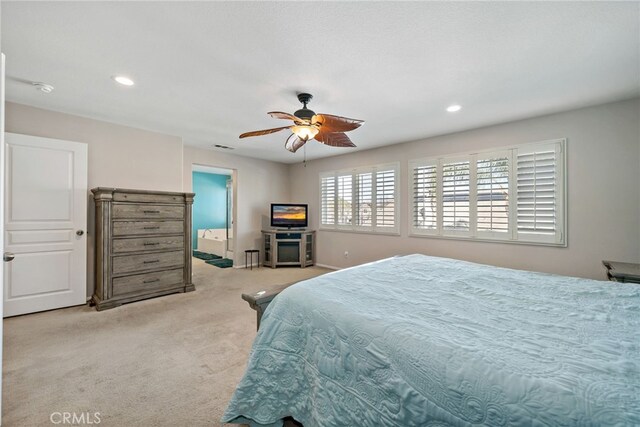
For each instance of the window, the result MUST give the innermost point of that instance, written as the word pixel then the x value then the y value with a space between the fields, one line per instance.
pixel 537 180
pixel 455 195
pixel 513 195
pixel 364 199
pixel 328 203
pixel 345 199
pixel 492 202
pixel 364 194
pixel 386 198
pixel 424 197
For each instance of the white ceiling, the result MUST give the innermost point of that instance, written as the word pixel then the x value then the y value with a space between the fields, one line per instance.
pixel 209 71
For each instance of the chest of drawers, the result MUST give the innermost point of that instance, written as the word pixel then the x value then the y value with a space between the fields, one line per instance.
pixel 143 245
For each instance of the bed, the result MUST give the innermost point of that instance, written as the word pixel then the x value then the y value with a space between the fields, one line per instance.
pixel 426 341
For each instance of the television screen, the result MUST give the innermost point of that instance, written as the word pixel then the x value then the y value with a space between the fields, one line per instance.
pixel 288 215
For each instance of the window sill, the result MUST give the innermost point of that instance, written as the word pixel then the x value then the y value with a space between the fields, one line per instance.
pixel 376 233
pixel 484 240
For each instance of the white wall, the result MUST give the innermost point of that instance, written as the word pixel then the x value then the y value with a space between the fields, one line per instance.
pixel 119 156
pixel 257 184
pixel 603 152
pixel 603 174
pixel 125 157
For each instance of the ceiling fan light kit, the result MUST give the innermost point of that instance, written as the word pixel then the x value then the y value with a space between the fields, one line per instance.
pixel 305 132
pixel 324 128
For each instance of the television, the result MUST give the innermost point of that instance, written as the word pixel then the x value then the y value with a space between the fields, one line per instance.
pixel 287 215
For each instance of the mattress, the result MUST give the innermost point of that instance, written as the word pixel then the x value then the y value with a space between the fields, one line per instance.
pixel 426 341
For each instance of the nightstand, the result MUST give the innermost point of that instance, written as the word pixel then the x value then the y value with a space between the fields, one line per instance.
pixel 622 271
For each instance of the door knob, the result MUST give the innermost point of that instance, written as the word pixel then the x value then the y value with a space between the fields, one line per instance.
pixel 8 256
pixel 79 233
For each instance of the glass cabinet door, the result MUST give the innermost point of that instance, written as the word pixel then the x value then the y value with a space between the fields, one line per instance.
pixel 309 247
pixel 267 248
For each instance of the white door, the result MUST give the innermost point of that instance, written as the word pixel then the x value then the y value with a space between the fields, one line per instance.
pixel 45 224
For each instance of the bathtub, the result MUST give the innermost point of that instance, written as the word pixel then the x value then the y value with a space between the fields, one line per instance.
pixel 214 241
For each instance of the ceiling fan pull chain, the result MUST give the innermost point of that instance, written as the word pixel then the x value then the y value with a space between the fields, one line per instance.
pixel 304 156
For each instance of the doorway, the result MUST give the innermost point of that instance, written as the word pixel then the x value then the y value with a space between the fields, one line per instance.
pixel 213 222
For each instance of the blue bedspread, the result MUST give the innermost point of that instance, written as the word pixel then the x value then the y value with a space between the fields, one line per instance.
pixel 424 341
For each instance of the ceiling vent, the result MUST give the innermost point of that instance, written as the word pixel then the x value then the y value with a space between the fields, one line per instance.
pixel 43 87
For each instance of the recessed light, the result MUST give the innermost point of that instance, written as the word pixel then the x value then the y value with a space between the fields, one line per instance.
pixel 123 80
pixel 453 108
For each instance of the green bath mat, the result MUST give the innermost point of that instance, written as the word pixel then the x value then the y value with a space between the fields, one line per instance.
pixel 222 263
pixel 205 256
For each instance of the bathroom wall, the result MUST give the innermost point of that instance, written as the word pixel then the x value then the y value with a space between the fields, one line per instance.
pixel 210 203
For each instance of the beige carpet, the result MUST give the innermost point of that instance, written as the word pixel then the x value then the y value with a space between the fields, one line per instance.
pixel 169 361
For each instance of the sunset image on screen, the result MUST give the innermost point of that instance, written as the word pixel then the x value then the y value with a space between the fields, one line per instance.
pixel 289 215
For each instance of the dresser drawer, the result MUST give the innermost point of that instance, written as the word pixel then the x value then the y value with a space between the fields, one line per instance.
pixel 148 282
pixel 146 211
pixel 141 244
pixel 132 228
pixel 147 198
pixel 131 263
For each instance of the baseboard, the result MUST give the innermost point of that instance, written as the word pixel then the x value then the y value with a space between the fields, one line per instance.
pixel 330 267
pixel 255 265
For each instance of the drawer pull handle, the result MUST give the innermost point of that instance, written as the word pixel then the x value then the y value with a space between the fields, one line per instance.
pixel 151 281
pixel 152 212
pixel 151 244
pixel 151 262
pixel 152 228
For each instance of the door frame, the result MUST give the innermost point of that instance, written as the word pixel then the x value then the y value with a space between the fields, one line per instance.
pixel 2 191
pixel 234 204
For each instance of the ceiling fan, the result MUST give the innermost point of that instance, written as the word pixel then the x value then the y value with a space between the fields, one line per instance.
pixel 324 128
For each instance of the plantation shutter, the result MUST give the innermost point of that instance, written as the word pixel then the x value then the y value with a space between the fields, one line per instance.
pixel 328 200
pixel 363 199
pixel 385 198
pixel 345 199
pixel 455 196
pixel 424 195
pixel 538 192
pixel 363 202
pixel 515 195
pixel 492 193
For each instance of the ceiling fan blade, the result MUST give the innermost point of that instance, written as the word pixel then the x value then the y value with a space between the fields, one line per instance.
pixel 331 123
pixel 284 116
pixel 263 132
pixel 334 139
pixel 293 143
